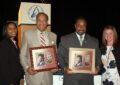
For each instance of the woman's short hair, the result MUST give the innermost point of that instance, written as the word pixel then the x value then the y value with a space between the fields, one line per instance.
pixel 115 35
pixel 5 26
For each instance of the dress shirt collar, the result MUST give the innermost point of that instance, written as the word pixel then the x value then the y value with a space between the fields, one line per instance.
pixel 44 32
pixel 14 43
pixel 78 36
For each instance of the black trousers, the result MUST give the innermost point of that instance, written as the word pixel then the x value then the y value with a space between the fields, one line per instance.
pixel 4 82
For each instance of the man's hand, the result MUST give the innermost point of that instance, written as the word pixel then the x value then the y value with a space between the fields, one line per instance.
pixel 21 81
pixel 31 71
pixel 68 71
pixel 96 72
pixel 54 70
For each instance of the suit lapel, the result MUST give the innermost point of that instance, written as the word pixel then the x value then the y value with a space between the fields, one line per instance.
pixel 87 41
pixel 35 37
pixel 51 40
pixel 49 37
pixel 76 40
pixel 13 46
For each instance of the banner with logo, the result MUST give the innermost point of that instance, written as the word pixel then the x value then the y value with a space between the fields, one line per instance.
pixel 28 11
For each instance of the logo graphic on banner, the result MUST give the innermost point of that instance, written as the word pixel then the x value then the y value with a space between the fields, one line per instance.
pixel 33 11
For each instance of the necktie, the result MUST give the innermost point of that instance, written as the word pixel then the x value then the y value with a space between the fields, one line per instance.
pixel 42 40
pixel 81 40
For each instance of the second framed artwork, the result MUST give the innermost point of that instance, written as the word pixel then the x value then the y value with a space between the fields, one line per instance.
pixel 82 60
pixel 43 58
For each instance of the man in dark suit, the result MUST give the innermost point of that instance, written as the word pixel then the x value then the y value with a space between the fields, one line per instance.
pixel 78 39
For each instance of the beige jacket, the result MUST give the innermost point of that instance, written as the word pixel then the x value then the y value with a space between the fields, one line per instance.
pixel 30 39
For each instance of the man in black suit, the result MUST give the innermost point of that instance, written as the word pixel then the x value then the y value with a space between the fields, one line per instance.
pixel 78 39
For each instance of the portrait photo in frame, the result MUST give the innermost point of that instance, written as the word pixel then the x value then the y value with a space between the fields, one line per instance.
pixel 43 58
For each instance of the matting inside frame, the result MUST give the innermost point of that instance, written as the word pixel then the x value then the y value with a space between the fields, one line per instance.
pixel 82 60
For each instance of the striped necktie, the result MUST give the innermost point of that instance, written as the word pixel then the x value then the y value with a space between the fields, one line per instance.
pixel 42 40
pixel 81 41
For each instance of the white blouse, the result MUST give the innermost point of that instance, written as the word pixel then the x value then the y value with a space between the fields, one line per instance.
pixel 110 69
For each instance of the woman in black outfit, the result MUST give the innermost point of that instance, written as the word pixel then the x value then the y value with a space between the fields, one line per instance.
pixel 11 72
pixel 110 57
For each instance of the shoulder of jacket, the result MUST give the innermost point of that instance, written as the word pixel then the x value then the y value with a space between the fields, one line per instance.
pixel 91 37
pixel 52 33
pixel 67 36
pixel 4 42
pixel 29 32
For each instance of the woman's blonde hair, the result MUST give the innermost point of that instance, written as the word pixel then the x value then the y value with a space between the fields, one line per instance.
pixel 115 35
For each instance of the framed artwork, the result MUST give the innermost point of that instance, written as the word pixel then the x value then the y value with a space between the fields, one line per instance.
pixel 43 58
pixel 82 60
